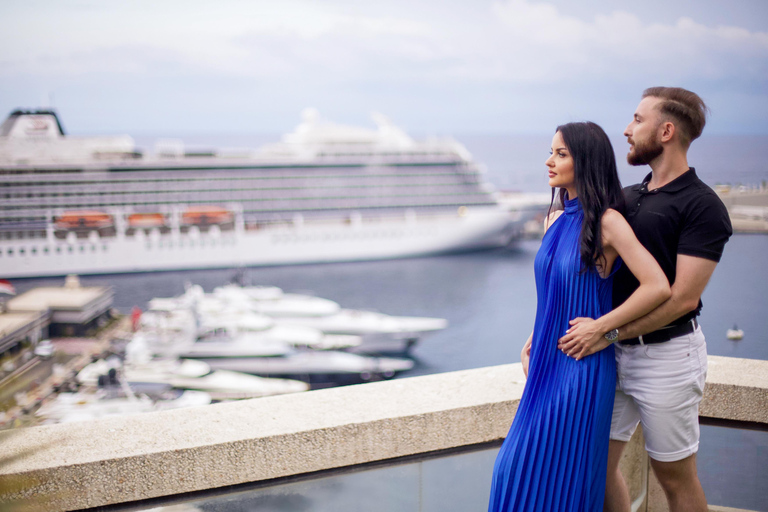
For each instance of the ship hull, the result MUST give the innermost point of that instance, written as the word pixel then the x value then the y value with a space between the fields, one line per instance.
pixel 483 228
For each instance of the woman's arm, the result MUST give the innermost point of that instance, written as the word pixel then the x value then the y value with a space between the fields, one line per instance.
pixel 585 336
pixel 525 355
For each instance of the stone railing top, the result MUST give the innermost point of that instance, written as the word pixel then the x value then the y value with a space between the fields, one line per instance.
pixel 112 460
pixel 123 459
pixel 737 389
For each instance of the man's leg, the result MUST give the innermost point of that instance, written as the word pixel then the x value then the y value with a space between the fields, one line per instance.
pixel 681 485
pixel 668 401
pixel 616 490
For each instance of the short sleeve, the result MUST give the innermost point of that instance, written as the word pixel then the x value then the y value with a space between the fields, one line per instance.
pixel 706 229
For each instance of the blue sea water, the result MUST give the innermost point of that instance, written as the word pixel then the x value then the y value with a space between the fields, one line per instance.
pixel 489 297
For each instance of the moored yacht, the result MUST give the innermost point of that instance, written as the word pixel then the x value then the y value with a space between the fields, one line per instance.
pixel 317 366
pixel 190 374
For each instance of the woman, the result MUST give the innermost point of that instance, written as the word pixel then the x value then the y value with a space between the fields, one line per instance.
pixel 554 457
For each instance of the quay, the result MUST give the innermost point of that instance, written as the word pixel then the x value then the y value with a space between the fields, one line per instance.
pixel 27 379
pixel 747 207
pixel 232 450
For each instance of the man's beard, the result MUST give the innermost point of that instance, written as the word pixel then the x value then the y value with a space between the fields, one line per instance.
pixel 645 152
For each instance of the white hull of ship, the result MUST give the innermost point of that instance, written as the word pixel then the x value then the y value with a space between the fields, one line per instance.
pixel 281 245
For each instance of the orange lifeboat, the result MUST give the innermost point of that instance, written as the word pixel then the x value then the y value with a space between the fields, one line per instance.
pixel 85 219
pixel 206 216
pixel 146 220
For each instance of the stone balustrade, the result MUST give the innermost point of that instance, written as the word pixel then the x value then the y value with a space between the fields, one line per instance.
pixel 173 453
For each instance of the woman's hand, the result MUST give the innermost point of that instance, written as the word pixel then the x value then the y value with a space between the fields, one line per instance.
pixel 525 355
pixel 583 338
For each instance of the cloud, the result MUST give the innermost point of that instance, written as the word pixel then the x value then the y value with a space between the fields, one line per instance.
pixel 513 41
pixel 458 62
pixel 545 45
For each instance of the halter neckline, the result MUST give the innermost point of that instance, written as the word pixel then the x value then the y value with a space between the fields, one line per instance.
pixel 572 205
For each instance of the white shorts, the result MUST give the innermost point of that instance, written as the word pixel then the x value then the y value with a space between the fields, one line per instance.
pixel 660 385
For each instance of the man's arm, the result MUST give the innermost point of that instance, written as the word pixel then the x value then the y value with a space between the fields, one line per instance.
pixel 692 276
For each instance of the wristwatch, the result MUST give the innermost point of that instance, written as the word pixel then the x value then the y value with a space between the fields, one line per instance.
pixel 612 335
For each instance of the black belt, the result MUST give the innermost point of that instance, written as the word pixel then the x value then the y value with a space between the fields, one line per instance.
pixel 663 334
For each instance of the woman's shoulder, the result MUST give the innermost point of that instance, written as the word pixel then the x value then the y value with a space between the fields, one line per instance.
pixel 552 217
pixel 613 223
pixel 612 217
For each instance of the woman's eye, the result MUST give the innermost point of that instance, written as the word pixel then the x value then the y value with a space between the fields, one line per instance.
pixel 562 155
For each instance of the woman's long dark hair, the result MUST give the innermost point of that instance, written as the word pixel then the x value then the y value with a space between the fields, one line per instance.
pixel 597 184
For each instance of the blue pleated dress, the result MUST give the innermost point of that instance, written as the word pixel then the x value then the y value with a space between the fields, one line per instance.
pixel 555 455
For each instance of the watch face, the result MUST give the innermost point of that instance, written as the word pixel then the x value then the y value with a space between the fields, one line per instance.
pixel 612 335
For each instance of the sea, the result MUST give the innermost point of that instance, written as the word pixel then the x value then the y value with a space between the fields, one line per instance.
pixel 488 297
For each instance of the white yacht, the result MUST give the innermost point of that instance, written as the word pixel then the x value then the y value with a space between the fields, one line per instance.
pixel 101 403
pixel 379 332
pixel 89 205
pixel 317 366
pixel 192 375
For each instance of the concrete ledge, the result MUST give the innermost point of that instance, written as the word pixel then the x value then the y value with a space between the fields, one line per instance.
pixel 119 460
pixel 737 389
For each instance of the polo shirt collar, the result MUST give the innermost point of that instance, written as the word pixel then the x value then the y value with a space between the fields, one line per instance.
pixel 675 185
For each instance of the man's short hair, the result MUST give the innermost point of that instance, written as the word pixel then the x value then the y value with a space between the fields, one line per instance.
pixel 684 108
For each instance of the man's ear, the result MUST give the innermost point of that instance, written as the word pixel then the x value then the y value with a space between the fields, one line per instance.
pixel 667 131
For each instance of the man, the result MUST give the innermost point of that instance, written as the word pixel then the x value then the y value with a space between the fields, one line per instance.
pixel 661 358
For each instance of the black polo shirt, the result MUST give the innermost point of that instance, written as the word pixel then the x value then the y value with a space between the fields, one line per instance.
pixel 684 216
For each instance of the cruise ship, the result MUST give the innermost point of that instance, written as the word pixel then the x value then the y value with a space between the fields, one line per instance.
pixel 324 193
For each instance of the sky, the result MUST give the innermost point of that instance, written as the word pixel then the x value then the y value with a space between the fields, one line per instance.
pixel 433 67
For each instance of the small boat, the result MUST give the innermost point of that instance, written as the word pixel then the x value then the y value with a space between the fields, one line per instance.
pixel 146 220
pixel 206 216
pixel 734 334
pixel 84 219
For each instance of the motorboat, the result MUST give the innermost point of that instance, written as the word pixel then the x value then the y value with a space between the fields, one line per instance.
pixel 273 302
pixel 101 403
pixel 379 332
pixel 317 366
pixel 241 346
pixel 734 334
pixel 189 374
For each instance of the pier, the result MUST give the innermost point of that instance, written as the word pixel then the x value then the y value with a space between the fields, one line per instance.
pixel 262 446
pixel 747 207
